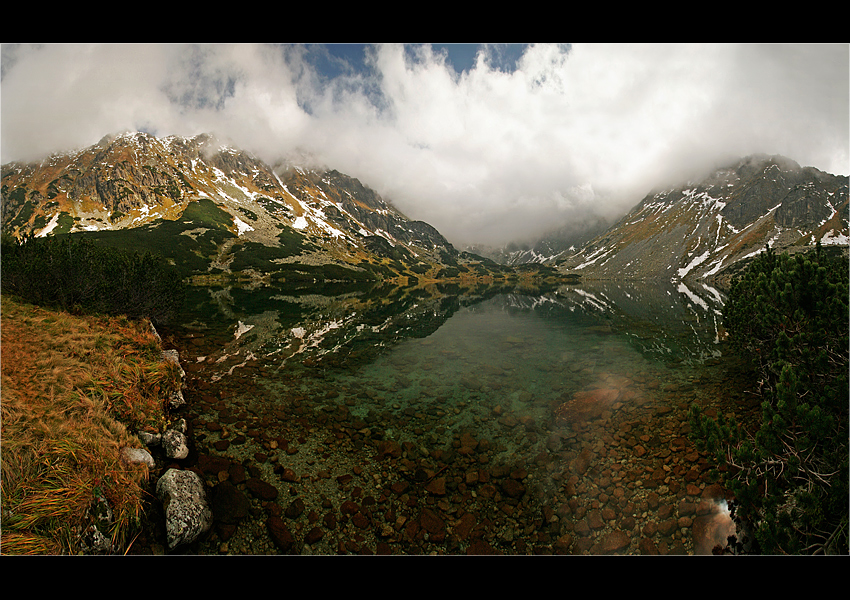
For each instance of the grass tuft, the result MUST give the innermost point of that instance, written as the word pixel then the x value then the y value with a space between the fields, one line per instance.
pixel 74 389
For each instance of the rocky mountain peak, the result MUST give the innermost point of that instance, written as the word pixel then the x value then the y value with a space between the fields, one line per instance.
pixel 233 206
pixel 703 228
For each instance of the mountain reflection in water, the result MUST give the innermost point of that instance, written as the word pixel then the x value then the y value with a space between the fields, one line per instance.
pixel 580 393
pixel 668 321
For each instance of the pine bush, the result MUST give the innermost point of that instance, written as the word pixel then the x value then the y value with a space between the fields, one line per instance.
pixel 789 472
pixel 76 275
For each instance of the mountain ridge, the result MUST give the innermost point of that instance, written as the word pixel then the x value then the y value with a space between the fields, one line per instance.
pixel 225 211
pixel 547 249
pixel 706 228
pixel 245 216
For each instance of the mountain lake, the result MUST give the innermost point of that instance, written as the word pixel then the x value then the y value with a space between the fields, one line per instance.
pixel 444 420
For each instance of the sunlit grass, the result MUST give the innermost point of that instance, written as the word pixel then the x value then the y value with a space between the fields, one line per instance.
pixel 74 392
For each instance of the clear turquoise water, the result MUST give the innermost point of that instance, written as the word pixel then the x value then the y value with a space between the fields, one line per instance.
pixel 423 369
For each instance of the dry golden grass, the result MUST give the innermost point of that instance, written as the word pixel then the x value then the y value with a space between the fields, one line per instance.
pixel 73 389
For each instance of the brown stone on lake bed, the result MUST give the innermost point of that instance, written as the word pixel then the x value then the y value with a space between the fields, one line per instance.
pixel 289 475
pixel 513 488
pixel 611 543
pixel 468 441
pixel 388 449
pixel 432 522
pixel 464 526
pixel 437 486
pixel 280 534
pixel 586 405
pixel 583 461
pixel 261 489
pixel 360 520
pixel 314 535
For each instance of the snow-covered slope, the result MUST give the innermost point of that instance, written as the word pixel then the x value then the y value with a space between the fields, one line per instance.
pixel 701 229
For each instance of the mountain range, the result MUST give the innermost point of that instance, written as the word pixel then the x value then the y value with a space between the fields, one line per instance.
pixel 213 210
pixel 708 229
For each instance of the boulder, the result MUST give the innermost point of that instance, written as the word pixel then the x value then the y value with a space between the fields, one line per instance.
pixel 176 399
pixel 173 356
pixel 150 439
pixel 138 455
pixel 187 512
pixel 175 444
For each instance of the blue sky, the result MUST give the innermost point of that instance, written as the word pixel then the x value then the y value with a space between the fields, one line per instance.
pixel 460 56
pixel 489 143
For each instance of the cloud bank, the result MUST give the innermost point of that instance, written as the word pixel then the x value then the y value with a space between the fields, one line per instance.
pixel 493 154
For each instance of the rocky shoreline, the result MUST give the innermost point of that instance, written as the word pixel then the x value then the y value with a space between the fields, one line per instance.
pixel 186 514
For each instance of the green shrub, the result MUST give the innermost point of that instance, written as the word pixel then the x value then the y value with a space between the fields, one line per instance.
pixel 77 275
pixel 190 255
pixel 789 472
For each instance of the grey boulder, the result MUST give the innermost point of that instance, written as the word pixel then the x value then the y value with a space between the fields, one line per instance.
pixel 187 512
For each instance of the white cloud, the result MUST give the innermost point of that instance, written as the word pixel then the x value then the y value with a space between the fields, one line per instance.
pixel 486 155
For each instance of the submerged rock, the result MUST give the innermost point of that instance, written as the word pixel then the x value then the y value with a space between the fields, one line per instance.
pixel 586 405
pixel 229 504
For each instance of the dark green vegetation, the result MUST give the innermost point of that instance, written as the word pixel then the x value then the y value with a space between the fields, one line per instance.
pixel 190 243
pixel 76 275
pixel 789 472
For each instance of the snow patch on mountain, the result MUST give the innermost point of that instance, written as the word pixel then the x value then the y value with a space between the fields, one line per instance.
pixel 50 226
pixel 241 226
pixel 834 238
pixel 694 263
